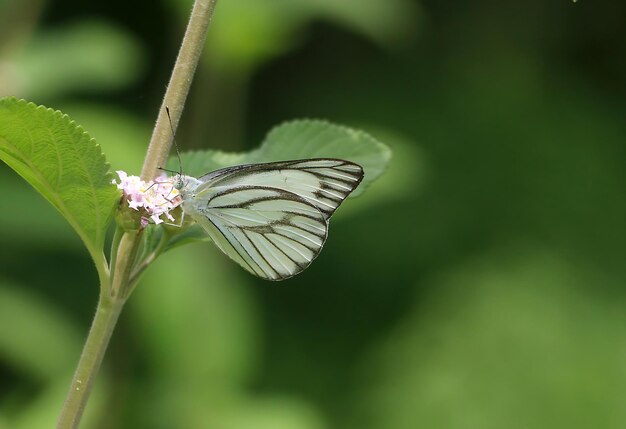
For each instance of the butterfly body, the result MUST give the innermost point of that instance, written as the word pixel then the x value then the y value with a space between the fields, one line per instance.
pixel 270 218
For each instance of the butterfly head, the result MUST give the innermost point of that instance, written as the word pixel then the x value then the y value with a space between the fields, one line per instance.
pixel 178 182
pixel 185 185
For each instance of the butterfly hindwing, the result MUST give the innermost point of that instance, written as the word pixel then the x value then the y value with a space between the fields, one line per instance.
pixel 272 233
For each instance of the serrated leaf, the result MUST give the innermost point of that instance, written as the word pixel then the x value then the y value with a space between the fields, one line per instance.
pixel 63 163
pixel 300 140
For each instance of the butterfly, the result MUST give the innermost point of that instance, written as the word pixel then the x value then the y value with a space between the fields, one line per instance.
pixel 270 218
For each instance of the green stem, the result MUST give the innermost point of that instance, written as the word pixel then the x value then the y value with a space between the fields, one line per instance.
pixel 104 274
pixel 126 253
pixel 178 87
pixel 114 295
pixel 115 244
pixel 110 305
pixel 104 321
pixel 141 266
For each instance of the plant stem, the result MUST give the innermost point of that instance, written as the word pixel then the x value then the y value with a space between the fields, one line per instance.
pixel 126 253
pixel 143 265
pixel 115 244
pixel 102 326
pixel 178 87
pixel 114 295
pixel 110 305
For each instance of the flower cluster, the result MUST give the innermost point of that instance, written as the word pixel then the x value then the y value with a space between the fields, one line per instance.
pixel 153 198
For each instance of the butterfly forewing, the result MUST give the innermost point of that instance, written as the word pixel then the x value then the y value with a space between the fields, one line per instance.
pixel 324 183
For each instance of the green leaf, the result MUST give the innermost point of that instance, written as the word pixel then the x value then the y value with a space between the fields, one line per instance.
pixel 61 161
pixel 299 140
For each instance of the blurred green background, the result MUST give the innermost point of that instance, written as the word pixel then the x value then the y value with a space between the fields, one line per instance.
pixel 480 283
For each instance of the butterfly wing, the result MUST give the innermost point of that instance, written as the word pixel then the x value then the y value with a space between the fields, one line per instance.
pixel 272 233
pixel 272 218
pixel 322 182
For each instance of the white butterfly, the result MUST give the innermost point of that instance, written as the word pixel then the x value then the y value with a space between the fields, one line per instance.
pixel 270 218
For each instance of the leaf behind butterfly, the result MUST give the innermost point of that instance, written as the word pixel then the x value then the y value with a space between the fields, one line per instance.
pixel 300 139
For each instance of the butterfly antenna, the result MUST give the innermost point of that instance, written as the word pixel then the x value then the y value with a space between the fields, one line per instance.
pixel 180 163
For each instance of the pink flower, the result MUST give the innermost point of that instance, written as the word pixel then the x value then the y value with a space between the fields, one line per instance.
pixel 154 198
